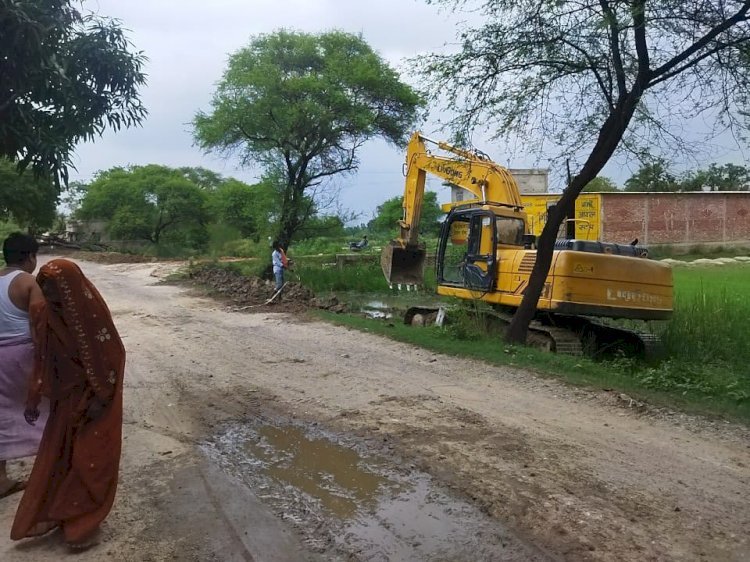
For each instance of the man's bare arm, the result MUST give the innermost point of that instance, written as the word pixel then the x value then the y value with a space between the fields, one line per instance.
pixel 35 293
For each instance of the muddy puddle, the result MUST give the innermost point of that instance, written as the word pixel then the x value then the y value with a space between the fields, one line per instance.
pixel 349 504
pixel 377 310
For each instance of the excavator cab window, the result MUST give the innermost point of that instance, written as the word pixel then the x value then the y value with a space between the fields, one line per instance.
pixel 510 231
pixel 466 257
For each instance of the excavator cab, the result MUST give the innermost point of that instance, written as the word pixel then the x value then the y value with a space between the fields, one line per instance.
pixel 466 255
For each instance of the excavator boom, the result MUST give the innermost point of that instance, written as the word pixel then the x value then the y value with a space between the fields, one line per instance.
pixel 403 259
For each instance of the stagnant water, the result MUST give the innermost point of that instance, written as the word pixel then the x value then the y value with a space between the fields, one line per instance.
pixel 349 504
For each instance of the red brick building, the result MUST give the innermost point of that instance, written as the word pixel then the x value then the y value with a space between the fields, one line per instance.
pixel 675 219
pixel 693 218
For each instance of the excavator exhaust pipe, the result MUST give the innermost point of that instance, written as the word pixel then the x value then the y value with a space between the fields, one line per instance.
pixel 403 266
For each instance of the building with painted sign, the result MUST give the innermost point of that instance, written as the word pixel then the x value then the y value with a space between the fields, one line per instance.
pixel 675 219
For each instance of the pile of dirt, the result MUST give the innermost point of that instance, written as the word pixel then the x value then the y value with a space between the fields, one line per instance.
pixel 254 293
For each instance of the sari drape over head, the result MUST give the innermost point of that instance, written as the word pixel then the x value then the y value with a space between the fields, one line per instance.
pixel 79 366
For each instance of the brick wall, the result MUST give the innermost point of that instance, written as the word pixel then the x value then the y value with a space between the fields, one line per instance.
pixel 676 218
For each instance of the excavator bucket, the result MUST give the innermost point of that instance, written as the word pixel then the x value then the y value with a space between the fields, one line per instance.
pixel 403 266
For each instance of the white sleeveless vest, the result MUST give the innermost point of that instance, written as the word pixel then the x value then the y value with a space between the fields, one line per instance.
pixel 14 322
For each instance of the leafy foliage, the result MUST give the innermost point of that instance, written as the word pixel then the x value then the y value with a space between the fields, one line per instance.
pixel 153 203
pixel 64 78
pixel 329 226
pixel 301 106
pixel 203 178
pixel 729 177
pixel 391 211
pixel 601 184
pixel 243 207
pixel 653 177
pixel 551 73
pixel 27 200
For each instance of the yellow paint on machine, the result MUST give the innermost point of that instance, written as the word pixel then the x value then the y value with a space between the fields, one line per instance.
pixel 583 283
pixel 587 213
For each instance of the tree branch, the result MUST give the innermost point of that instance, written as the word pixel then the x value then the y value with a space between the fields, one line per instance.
pixel 703 42
pixel 614 42
pixel 638 12
pixel 592 66
pixel 678 70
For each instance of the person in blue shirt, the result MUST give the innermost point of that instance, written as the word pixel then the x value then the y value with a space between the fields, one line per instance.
pixel 277 260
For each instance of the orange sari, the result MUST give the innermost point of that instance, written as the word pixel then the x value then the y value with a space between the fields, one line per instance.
pixel 79 366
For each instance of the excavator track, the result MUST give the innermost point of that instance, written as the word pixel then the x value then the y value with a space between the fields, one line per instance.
pixel 573 335
pixel 565 341
pixel 605 340
pixel 548 338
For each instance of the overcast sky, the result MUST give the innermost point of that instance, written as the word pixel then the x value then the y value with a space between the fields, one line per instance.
pixel 188 41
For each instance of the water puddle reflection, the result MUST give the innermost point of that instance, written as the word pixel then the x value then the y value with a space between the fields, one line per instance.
pixel 351 505
pixel 377 310
pixel 330 473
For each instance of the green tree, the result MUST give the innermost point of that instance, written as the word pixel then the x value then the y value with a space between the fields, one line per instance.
pixel 729 177
pixel 587 78
pixel 391 211
pixel 301 106
pixel 203 178
pixel 653 177
pixel 242 206
pixel 330 226
pixel 601 184
pixel 72 195
pixel 153 203
pixel 28 201
pixel 64 78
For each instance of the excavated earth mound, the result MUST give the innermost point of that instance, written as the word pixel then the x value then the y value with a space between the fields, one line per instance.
pixel 254 293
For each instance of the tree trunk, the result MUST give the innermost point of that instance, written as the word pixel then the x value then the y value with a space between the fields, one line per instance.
pixel 519 325
pixel 290 220
pixel 609 137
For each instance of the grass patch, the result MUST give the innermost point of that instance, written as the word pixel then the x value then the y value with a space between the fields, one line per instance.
pixel 712 316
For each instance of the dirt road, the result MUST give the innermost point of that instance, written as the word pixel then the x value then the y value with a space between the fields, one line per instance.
pixel 267 437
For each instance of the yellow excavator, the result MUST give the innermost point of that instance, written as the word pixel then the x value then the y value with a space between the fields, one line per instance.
pixel 485 252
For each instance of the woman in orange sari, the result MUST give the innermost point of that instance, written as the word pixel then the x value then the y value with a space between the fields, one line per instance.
pixel 79 366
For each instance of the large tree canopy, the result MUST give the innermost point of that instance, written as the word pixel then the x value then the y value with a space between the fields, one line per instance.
pixel 591 77
pixel 653 176
pixel 726 177
pixel 64 77
pixel 601 184
pixel 301 106
pixel 248 208
pixel 148 203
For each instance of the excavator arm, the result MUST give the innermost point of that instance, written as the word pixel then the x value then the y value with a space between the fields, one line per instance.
pixel 403 259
